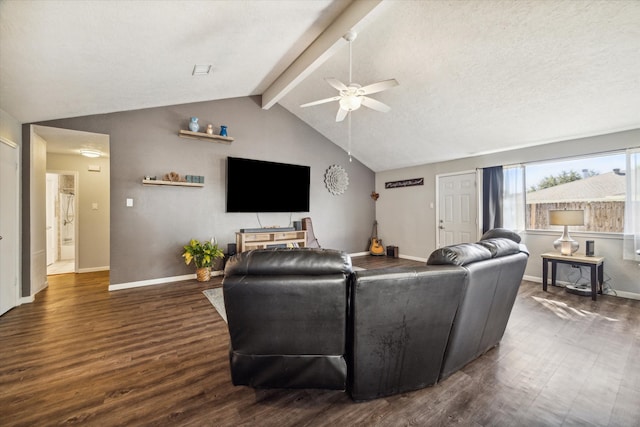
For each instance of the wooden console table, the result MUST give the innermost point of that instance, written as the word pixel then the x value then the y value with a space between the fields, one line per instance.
pixel 263 239
pixel 594 262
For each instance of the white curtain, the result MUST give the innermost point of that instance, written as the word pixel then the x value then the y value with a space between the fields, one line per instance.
pixel 513 198
pixel 631 242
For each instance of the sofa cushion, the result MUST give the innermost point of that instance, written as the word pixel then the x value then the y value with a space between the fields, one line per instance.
pixel 500 247
pixel 461 254
pixel 501 232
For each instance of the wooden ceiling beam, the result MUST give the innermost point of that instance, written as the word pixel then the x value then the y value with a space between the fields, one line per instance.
pixel 354 17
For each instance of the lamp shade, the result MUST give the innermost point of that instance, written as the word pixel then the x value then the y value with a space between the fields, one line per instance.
pixel 566 217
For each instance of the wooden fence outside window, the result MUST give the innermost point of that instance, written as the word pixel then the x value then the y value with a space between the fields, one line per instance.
pixel 599 217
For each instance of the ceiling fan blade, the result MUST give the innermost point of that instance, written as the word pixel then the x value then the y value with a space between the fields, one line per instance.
pixel 321 101
pixel 375 104
pixel 378 87
pixel 337 84
pixel 342 113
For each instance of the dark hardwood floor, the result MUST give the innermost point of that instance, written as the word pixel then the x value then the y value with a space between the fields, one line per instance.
pixel 159 356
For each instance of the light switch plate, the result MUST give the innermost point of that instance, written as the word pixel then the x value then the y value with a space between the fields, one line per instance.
pixel 129 203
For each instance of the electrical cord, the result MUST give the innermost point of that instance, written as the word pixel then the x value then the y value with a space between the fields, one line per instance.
pixel 290 221
pixel 578 278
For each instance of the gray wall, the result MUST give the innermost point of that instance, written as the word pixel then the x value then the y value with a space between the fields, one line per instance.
pixel 147 239
pixel 93 224
pixel 406 218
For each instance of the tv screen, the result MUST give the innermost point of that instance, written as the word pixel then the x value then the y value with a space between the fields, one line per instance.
pixel 260 186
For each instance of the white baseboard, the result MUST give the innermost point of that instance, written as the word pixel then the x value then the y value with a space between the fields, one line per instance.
pixel 159 281
pixel 539 280
pixel 621 294
pixel 357 254
pixel 93 269
pixel 414 258
pixel 27 300
pixel 629 295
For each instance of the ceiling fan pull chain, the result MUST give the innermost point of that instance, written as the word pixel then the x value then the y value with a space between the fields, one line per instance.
pixel 349 138
pixel 349 112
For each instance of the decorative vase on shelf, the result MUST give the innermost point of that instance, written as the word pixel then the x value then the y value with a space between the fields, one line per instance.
pixel 193 124
pixel 209 129
pixel 223 130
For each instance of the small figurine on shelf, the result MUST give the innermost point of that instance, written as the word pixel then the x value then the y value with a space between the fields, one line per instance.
pixel 223 130
pixel 209 129
pixel 193 124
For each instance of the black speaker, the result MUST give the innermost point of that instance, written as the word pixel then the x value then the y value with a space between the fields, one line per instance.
pixel 297 225
pixel 231 249
pixel 591 246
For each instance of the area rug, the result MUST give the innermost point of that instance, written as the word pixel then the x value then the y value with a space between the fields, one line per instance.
pixel 215 297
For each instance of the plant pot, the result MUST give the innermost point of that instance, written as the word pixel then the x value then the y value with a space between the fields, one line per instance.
pixel 203 274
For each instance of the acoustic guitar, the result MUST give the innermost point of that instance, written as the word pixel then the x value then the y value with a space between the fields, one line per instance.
pixel 376 247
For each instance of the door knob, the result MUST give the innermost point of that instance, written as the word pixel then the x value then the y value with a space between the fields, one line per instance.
pixel 441 227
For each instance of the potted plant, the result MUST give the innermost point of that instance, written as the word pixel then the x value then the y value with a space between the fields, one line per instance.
pixel 203 255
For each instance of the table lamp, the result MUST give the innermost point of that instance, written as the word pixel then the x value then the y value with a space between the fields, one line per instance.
pixel 565 244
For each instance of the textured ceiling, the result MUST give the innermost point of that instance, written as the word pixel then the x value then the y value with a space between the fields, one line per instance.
pixel 71 58
pixel 475 76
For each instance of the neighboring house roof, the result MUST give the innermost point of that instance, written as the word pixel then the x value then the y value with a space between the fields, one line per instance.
pixel 606 187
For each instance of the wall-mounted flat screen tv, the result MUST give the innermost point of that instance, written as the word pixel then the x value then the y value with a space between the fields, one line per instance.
pixel 260 186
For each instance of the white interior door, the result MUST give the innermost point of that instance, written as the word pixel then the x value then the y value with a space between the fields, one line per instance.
pixel 8 226
pixel 457 209
pixel 52 229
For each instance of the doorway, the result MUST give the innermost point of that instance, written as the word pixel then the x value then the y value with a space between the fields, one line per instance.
pixel 62 222
pixel 457 208
pixel 58 150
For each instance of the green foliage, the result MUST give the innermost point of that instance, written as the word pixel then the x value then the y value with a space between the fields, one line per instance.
pixel 562 178
pixel 202 254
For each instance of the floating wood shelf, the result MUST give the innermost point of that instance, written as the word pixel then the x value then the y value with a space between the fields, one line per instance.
pixel 176 184
pixel 206 136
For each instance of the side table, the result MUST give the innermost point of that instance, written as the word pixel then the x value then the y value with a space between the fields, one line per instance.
pixel 594 262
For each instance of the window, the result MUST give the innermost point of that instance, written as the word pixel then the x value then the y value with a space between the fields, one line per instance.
pixel 596 185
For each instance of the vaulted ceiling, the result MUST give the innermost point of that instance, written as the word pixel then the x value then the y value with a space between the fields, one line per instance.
pixel 475 76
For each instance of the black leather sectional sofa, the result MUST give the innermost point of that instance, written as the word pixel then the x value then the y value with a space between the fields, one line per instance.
pixel 302 318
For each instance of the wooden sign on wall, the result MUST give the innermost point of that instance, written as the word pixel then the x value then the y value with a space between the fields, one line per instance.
pixel 404 183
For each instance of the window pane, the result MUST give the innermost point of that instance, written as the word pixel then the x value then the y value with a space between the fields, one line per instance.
pixel 595 185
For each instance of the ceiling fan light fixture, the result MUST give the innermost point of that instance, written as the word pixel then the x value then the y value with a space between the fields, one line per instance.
pixel 350 102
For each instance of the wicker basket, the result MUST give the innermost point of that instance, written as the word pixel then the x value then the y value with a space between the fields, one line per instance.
pixel 203 274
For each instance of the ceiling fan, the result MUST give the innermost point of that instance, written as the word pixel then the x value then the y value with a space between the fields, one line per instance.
pixel 353 96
